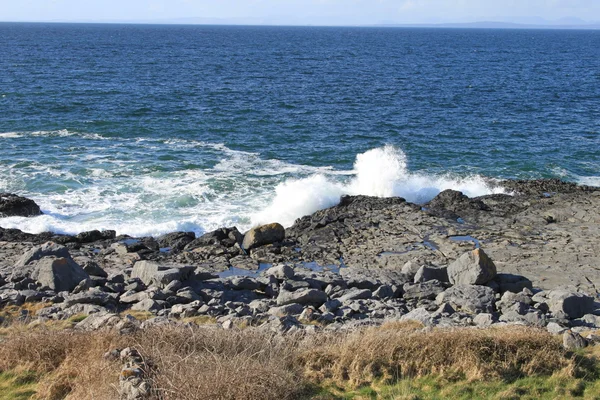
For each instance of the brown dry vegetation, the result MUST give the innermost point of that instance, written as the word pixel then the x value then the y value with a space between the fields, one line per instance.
pixel 189 363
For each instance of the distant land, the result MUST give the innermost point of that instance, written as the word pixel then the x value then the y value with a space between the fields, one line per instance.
pixel 500 23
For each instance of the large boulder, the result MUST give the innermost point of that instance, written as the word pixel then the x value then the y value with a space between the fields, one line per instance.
pixel 262 235
pixel 472 268
pixel 304 296
pixel 12 205
pixel 58 273
pixel 572 304
pixel 45 250
pixel 470 298
pixel 153 273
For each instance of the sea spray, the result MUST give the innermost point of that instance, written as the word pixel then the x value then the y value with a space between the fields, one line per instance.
pixel 379 172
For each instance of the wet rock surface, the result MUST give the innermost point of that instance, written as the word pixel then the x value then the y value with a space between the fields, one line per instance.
pixel 529 258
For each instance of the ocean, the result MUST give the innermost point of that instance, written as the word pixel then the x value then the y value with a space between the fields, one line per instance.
pixel 149 129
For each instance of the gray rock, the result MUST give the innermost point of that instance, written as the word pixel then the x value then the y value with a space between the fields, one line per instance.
pixel 411 268
pixel 555 328
pixel 98 321
pixel 472 268
pixel 147 305
pixel 572 304
pixel 384 292
pixel 512 283
pixel 262 235
pixel 355 294
pixel 244 283
pixel 58 274
pixel 420 315
pixel 470 298
pixel 280 272
pixel 529 318
pixel 92 296
pixel 423 291
pixel 45 250
pixel 573 341
pixel 304 296
pixel 12 205
pixel 288 309
pixel 429 273
pixel 330 306
pixel 145 271
pixel 484 320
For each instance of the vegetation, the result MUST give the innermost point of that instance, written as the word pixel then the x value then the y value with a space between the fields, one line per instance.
pixel 395 361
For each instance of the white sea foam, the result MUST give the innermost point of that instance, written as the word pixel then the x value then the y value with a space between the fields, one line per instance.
pixel 241 190
pixel 10 135
pixel 589 180
pixel 380 172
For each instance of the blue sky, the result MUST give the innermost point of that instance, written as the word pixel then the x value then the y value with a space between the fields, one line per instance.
pixel 328 12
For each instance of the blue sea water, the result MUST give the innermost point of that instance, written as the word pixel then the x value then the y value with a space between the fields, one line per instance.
pixel 150 129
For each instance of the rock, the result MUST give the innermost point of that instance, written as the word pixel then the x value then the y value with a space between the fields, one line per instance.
pixel 98 321
pixel 244 283
pixel 384 292
pixel 288 309
pixel 472 268
pixel 303 296
pixel 147 305
pixel 176 241
pixel 262 235
pixel 420 291
pixel 484 320
pixel 420 315
pixel 512 283
pixel 92 296
pixel 58 274
pixel 91 267
pixel 428 273
pixel 470 298
pixel 355 294
pixel 530 317
pixel 280 272
pixel 572 304
pixel 94 236
pixel 45 250
pixel 411 268
pixel 573 341
pixel 12 205
pixel 555 328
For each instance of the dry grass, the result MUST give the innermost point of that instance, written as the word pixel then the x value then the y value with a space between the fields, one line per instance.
pixel 210 363
pixel 388 354
pixel 194 363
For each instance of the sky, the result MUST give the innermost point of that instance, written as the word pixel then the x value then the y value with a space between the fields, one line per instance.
pixel 303 12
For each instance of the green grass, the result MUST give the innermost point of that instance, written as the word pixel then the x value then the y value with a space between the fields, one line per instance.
pixel 17 385
pixel 435 388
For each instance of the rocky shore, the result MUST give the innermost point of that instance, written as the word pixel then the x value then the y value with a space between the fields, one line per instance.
pixel 528 258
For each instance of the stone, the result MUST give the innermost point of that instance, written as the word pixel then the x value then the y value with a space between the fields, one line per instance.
pixel 572 304
pixel 288 309
pixel 573 341
pixel 58 274
pixel 303 296
pixel 91 267
pixel 423 291
pixel 427 273
pixel 355 294
pixel 472 268
pixel 176 241
pixel 512 283
pixel 471 298
pixel 147 305
pixel 384 292
pixel 263 235
pixel 555 328
pixel 98 321
pixel 92 296
pixel 12 205
pixel 420 315
pixel 45 250
pixel 280 272
pixel 94 236
pixel 484 320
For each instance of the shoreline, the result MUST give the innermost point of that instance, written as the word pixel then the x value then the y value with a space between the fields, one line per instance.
pixel 525 259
